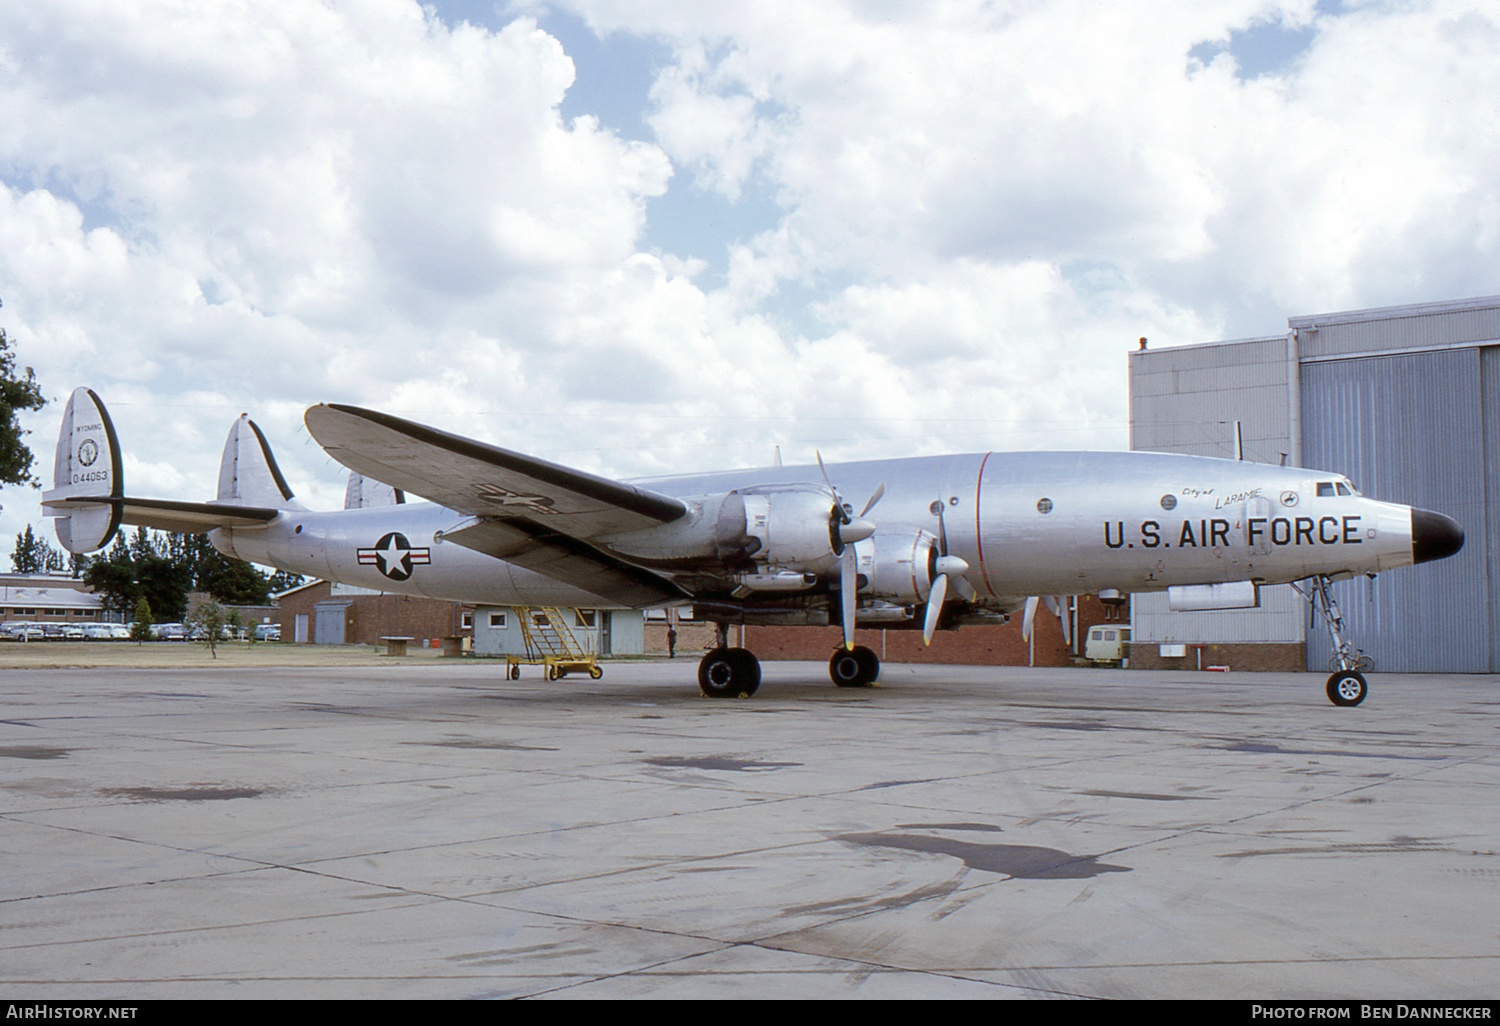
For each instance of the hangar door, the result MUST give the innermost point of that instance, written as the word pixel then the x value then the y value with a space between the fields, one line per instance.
pixel 1413 428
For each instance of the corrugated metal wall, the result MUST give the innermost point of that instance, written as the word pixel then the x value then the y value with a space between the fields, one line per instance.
pixel 1412 429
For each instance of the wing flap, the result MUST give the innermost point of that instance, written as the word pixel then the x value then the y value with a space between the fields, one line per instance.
pixel 484 480
pixel 567 559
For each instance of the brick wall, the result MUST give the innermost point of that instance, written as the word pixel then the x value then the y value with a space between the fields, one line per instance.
pixel 1283 658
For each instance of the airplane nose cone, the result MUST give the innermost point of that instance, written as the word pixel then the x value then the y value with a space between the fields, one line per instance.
pixel 1434 536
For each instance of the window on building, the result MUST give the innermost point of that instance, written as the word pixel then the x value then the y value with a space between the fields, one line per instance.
pixel 497 621
pixel 585 618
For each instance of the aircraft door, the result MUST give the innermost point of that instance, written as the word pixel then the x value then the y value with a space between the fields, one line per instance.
pixel 1258 514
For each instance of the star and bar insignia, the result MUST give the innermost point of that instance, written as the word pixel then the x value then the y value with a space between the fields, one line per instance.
pixel 394 556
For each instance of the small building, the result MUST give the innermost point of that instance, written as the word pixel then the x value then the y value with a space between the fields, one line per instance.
pixel 324 613
pixel 48 598
pixel 601 632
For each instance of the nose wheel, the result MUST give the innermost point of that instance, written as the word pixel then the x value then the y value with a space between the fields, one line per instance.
pixel 1347 687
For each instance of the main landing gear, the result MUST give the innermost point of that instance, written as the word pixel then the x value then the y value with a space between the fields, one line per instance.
pixel 735 672
pixel 1346 686
pixel 855 667
pixel 728 672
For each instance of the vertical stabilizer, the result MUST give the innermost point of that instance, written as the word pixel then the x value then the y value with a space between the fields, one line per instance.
pixel 248 474
pixel 85 470
pixel 363 492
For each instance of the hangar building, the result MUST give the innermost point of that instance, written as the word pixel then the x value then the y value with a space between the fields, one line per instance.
pixel 1405 401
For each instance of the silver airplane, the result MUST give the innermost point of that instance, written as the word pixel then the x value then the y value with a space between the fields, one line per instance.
pixel 940 542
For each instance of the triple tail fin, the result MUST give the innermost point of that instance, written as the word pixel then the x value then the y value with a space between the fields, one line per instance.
pixel 86 477
pixel 248 474
pixel 363 492
pixel 88 499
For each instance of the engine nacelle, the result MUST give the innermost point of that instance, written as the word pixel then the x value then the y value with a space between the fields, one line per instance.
pixel 774 528
pixel 791 527
pixel 897 567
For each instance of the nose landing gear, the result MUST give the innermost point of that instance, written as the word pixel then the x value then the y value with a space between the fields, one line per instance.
pixel 1346 686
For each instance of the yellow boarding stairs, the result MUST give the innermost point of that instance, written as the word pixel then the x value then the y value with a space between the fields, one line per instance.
pixel 550 642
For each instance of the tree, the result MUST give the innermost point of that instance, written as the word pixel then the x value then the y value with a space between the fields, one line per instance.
pixel 208 621
pixel 232 582
pixel 140 628
pixel 135 570
pixel 35 555
pixel 17 393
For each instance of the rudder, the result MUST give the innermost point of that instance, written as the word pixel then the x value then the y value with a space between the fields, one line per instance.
pixel 86 475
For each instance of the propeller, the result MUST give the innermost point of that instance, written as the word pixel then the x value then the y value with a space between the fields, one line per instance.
pixel 944 568
pixel 843 531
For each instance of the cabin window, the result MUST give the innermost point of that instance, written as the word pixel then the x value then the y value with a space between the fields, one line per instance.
pixel 1325 489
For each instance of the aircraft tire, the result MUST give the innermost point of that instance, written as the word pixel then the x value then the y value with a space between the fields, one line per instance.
pixel 854 668
pixel 729 673
pixel 1347 687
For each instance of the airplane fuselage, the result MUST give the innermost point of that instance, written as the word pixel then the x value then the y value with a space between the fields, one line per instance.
pixel 1025 523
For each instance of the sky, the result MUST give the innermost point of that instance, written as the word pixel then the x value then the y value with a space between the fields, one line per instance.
pixel 659 236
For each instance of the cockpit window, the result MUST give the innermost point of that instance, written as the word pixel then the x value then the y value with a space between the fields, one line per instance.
pixel 1325 489
pixel 1343 488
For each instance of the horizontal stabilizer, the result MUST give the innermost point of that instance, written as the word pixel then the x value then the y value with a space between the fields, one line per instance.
pixel 86 467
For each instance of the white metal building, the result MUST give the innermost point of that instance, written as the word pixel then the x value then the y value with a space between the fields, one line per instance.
pixel 1406 402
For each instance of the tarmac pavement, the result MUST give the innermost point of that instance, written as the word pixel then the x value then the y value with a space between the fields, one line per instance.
pixel 423 828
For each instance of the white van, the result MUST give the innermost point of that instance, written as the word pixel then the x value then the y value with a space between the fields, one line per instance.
pixel 1107 645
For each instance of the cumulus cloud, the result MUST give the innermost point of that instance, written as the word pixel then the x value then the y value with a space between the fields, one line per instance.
pixel 974 209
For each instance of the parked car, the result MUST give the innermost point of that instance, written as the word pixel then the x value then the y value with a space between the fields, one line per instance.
pixel 169 632
pixel 268 632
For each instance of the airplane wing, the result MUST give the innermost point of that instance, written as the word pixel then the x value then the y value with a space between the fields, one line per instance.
pixel 529 512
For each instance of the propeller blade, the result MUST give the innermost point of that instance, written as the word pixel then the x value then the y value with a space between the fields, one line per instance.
pixel 934 607
pixel 848 593
pixel 1029 617
pixel 873 499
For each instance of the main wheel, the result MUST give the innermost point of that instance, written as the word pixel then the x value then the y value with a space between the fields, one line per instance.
pixel 854 668
pixel 1347 687
pixel 729 673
